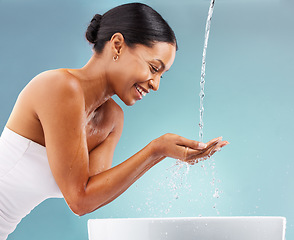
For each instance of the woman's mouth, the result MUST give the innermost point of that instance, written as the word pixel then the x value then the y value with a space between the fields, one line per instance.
pixel 141 92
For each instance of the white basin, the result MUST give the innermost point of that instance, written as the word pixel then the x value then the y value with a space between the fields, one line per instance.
pixel 196 228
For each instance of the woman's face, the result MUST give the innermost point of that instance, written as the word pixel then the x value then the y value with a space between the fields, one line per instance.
pixel 138 70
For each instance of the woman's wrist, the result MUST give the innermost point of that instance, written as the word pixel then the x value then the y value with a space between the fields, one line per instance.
pixel 156 149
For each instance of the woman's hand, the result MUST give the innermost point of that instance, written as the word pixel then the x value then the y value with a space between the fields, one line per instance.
pixel 190 151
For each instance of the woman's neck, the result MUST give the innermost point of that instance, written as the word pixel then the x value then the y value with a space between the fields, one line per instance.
pixel 94 81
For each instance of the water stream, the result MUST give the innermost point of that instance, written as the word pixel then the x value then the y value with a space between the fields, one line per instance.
pixel 179 171
pixel 202 95
pixel 202 80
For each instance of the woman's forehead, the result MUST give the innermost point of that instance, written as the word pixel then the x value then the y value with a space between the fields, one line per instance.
pixel 162 52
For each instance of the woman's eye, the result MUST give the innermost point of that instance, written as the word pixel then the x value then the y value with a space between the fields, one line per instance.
pixel 154 69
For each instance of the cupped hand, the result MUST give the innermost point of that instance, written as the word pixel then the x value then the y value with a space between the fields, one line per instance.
pixel 190 151
pixel 213 146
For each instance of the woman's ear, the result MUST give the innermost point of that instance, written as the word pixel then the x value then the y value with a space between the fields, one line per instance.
pixel 117 42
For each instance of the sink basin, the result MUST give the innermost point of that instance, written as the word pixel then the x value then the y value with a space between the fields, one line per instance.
pixel 202 228
pixel 196 228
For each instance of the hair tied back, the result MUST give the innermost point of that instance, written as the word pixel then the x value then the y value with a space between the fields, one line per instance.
pixel 93 28
pixel 137 22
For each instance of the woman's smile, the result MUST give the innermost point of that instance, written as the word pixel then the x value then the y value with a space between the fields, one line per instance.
pixel 140 91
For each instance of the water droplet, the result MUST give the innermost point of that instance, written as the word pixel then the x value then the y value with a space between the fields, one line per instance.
pixel 216 193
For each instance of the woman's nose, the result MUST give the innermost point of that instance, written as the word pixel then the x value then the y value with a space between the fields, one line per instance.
pixel 154 83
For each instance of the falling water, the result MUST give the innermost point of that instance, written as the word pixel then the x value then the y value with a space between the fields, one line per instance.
pixel 202 81
pixel 180 170
pixel 202 95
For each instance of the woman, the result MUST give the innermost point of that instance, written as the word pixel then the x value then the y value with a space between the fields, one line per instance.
pixel 62 132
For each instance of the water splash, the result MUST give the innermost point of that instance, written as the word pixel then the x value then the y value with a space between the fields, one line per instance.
pixel 178 179
pixel 202 80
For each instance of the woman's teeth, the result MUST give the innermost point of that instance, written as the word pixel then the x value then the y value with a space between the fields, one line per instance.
pixel 140 90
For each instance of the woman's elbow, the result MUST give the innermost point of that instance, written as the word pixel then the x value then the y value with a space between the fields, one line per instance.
pixel 77 208
pixel 78 211
pixel 80 207
pixel 77 205
pixel 81 211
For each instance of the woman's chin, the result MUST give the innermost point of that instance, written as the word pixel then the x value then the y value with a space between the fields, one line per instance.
pixel 129 102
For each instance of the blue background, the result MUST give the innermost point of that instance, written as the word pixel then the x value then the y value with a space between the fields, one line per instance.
pixel 249 101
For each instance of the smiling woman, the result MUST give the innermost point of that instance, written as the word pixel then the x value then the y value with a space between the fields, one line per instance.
pixel 61 135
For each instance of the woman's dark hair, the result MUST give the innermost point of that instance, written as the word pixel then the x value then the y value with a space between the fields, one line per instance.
pixel 137 22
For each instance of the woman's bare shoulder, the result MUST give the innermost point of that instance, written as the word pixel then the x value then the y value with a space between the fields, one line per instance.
pixel 56 79
pixel 57 83
pixel 49 93
pixel 53 89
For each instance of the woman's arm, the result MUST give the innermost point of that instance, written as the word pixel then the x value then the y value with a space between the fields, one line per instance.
pixel 62 118
pixel 116 180
pixel 60 107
